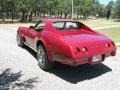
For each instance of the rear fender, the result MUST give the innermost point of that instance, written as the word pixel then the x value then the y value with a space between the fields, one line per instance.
pixel 45 46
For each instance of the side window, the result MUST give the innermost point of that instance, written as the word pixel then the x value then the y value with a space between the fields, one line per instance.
pixel 59 25
pixel 39 26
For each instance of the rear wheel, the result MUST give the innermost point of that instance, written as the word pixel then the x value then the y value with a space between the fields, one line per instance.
pixel 42 58
pixel 20 40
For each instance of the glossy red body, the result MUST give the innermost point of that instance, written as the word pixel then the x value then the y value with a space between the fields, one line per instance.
pixel 72 47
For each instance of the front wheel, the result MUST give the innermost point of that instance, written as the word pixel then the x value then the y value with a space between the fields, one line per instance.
pixel 20 40
pixel 42 58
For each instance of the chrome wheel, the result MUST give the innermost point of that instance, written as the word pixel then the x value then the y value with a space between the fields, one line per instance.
pixel 19 40
pixel 41 56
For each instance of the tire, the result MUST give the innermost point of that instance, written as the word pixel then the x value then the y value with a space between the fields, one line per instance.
pixel 42 58
pixel 20 40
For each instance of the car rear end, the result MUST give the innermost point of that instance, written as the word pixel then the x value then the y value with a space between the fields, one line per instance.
pixel 90 49
pixel 85 45
pixel 93 54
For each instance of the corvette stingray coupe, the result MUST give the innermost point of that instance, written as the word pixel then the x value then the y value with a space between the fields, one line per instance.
pixel 65 41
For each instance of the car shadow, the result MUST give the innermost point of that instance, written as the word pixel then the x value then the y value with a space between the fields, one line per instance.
pixel 32 52
pixel 11 81
pixel 76 74
pixel 80 73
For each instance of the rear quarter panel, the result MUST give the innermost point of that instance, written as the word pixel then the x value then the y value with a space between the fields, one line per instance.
pixel 54 42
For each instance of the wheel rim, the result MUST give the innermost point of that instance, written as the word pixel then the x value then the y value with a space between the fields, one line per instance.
pixel 41 56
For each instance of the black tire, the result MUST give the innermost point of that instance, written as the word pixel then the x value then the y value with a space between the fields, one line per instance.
pixel 20 40
pixel 42 58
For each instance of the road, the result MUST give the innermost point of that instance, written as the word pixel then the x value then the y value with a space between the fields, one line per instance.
pixel 19 70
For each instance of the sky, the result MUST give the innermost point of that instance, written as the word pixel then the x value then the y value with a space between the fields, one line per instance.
pixel 105 1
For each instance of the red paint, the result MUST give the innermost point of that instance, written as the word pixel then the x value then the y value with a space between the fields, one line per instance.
pixel 72 47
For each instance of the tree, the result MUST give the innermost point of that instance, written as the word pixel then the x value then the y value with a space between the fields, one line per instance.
pixel 26 10
pixel 23 6
pixel 117 9
pixel 11 8
pixel 3 6
pixel 109 9
pixel 98 9
pixel 84 7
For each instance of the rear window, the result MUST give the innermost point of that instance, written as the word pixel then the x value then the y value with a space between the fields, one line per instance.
pixel 67 25
pixel 71 25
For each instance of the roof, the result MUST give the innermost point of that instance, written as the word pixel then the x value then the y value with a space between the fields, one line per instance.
pixel 56 20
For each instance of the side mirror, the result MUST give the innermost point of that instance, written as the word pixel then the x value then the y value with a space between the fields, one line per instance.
pixel 31 27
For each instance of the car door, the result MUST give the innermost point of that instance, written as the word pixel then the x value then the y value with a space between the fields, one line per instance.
pixel 30 36
pixel 34 33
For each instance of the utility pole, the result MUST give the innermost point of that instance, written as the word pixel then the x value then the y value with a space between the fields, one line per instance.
pixel 72 9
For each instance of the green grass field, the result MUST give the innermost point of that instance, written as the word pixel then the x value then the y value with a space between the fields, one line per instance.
pixel 94 23
pixel 113 33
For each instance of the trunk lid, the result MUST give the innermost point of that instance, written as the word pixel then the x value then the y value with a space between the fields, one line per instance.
pixel 85 39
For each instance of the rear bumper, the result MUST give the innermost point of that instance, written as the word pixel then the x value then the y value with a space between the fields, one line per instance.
pixel 90 61
pixel 85 60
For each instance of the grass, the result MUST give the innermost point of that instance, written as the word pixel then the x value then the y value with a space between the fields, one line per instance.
pixel 113 33
pixel 100 23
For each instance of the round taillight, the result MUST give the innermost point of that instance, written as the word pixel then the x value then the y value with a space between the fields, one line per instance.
pixel 78 50
pixel 84 49
pixel 107 45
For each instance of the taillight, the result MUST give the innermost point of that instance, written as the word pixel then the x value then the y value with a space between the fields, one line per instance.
pixel 84 49
pixel 107 45
pixel 113 43
pixel 76 50
pixel 80 50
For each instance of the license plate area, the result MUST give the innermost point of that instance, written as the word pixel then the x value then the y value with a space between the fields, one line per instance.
pixel 97 58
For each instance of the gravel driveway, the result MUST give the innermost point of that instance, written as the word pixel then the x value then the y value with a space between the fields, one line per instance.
pixel 19 70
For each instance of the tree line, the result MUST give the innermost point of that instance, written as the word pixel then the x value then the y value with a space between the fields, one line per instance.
pixel 26 10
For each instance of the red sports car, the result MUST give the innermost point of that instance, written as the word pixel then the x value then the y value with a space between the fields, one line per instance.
pixel 65 41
